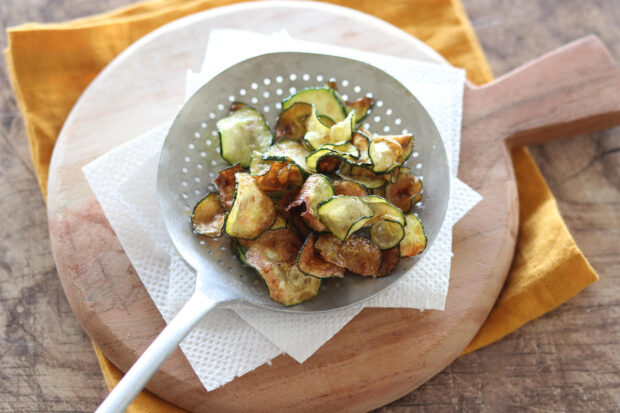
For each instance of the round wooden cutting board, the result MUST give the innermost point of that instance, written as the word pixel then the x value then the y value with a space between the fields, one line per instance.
pixel 383 353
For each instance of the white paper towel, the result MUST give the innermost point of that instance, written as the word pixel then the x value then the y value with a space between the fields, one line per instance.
pixel 230 343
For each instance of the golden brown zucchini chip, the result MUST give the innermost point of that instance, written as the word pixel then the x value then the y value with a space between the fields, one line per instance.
pixel 328 164
pixel 208 216
pixel 389 260
pixel 350 188
pixel 405 191
pixel 343 215
pixel 274 256
pixel 280 176
pixel 360 106
pixel 292 121
pixel 315 190
pixel 252 210
pixel 226 184
pixel 311 263
pixel 384 154
pixel 387 234
pixel 356 254
pixel 415 238
pixel 361 141
pixel 360 175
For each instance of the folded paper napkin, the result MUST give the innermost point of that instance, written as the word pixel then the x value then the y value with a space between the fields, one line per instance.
pixel 548 268
pixel 124 182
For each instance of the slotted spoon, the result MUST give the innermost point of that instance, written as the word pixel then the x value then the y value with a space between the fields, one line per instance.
pixel 190 160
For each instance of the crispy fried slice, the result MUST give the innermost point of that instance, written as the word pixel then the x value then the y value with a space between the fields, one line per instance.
pixel 292 121
pixel 280 175
pixel 342 187
pixel 226 184
pixel 274 256
pixel 415 237
pixel 361 141
pixel 384 153
pixel 311 263
pixel 315 190
pixel 208 216
pixel 360 106
pixel 328 164
pixel 357 254
pixel 405 191
pixel 252 210
pixel 389 260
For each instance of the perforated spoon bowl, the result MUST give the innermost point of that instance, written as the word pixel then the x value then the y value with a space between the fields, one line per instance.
pixel 190 160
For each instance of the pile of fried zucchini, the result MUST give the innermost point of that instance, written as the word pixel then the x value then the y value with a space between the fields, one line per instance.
pixel 318 197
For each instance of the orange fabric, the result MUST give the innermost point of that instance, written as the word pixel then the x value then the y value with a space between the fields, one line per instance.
pixel 50 65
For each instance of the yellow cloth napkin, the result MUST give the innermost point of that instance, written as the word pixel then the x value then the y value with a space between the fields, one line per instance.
pixel 50 65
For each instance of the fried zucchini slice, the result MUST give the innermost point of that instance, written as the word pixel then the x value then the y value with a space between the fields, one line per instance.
pixel 324 99
pixel 226 185
pixel 288 150
pixel 341 132
pixel 241 133
pixel 342 187
pixel 311 263
pixel 328 164
pixel 324 160
pixel 343 215
pixel 252 210
pixel 361 141
pixel 383 209
pixel 360 106
pixel 274 256
pixel 356 254
pixel 258 166
pixel 415 237
pixel 387 234
pixel 314 191
pixel 319 134
pixel 406 142
pixel 346 149
pixel 405 192
pixel 384 154
pixel 362 176
pixel 208 216
pixel 280 176
pixel 292 121
pixel 328 157
pixel 389 260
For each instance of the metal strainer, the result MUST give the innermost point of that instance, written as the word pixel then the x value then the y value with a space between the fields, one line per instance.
pixel 190 160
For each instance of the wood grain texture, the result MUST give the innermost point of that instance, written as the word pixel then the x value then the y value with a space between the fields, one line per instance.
pixel 568 360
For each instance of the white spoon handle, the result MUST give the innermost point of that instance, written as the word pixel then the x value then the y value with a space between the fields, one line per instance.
pixel 155 355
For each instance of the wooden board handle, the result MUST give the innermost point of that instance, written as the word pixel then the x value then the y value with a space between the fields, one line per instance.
pixel 570 91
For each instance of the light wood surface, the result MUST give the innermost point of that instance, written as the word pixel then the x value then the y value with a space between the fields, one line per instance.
pixel 566 360
pixel 402 348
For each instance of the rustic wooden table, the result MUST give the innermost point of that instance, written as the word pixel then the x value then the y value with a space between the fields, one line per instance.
pixel 568 360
